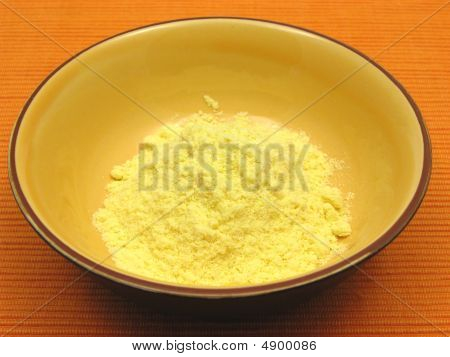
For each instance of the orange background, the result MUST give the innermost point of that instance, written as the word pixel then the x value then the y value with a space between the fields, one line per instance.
pixel 416 267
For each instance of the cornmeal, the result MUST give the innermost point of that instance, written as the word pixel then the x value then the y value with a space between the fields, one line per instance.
pixel 221 232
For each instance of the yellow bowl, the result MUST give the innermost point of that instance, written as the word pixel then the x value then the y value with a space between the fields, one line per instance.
pixel 92 112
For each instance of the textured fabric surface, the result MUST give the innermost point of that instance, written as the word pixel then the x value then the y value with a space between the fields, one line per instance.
pixel 416 267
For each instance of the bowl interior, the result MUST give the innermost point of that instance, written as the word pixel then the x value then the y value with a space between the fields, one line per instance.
pixel 94 111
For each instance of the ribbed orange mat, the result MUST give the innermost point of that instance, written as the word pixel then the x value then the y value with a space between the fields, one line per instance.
pixel 416 267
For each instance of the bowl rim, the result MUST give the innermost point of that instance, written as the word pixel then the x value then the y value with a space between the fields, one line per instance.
pixel 221 292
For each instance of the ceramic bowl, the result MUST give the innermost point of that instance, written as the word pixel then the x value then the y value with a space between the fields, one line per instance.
pixel 92 112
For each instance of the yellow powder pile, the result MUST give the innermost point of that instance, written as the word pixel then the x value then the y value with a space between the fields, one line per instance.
pixel 223 236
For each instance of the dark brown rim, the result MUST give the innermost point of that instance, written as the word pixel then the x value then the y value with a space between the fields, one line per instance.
pixel 147 285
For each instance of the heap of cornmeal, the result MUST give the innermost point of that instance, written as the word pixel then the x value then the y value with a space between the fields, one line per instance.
pixel 228 235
